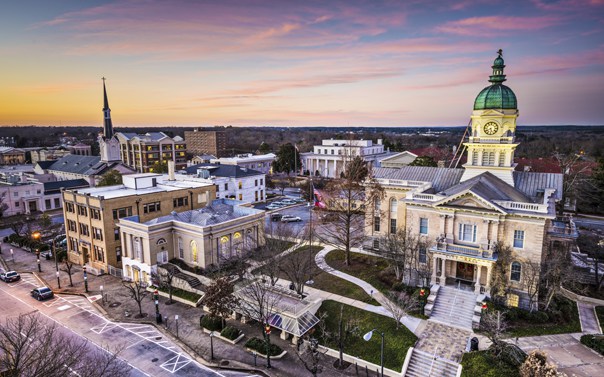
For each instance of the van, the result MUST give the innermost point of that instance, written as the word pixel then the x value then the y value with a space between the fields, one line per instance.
pixel 276 217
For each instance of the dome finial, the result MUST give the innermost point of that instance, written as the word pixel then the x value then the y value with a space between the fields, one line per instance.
pixel 500 52
pixel 497 77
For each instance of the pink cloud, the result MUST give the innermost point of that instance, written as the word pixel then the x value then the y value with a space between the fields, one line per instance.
pixel 490 25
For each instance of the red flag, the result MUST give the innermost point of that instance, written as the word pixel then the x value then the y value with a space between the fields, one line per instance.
pixel 318 198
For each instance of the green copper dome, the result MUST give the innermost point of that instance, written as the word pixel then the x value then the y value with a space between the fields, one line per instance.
pixel 497 95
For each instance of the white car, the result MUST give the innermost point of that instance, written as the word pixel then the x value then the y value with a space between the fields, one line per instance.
pixel 288 202
pixel 272 206
pixel 290 219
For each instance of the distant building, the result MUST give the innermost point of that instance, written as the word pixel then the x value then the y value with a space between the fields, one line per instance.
pixel 206 142
pixel 11 156
pixel 47 154
pixel 232 181
pixel 202 237
pixel 201 159
pixel 80 149
pixel 91 215
pixel 398 160
pixel 260 162
pixel 89 168
pixel 331 157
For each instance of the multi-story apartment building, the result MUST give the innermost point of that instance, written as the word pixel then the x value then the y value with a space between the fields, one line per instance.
pixel 331 157
pixel 206 142
pixel 201 238
pixel 259 162
pixel 91 215
pixel 464 214
pixel 141 152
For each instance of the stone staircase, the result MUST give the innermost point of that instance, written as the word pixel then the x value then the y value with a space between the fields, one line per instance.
pixel 454 307
pixel 424 364
pixel 192 281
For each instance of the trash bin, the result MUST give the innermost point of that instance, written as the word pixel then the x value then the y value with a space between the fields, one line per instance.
pixel 47 256
pixel 474 344
pixel 158 318
pixel 292 286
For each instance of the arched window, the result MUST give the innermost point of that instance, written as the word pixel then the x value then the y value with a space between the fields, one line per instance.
pixel 194 251
pixel 516 270
pixel 181 249
pixel 137 248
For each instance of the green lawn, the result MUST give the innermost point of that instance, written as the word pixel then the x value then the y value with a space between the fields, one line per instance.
pixel 189 296
pixel 259 257
pixel 484 364
pixel 396 341
pixel 365 267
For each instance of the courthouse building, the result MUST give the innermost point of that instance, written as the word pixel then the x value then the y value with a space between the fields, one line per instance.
pixel 463 213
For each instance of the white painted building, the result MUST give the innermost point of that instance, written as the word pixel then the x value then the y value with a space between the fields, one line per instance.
pixel 231 181
pixel 262 162
pixel 329 158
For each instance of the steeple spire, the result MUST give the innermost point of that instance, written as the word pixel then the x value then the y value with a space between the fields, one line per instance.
pixel 497 77
pixel 108 126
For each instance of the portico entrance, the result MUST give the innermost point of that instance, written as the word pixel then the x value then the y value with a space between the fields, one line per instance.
pixel 465 272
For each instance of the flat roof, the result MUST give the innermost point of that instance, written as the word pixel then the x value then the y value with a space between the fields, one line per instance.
pixel 118 191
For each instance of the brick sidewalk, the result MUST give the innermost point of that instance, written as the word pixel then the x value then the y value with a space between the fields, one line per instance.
pixel 191 336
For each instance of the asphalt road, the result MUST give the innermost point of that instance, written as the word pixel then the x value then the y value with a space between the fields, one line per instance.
pixel 144 347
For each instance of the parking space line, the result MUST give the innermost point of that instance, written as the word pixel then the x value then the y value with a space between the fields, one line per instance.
pixel 175 363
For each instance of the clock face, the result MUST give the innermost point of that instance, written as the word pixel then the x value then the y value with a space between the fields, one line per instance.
pixel 490 128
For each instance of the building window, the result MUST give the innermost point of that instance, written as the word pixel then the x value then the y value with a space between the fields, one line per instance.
pixel 261 181
pixel 116 234
pixel 226 186
pixel 376 224
pixel 95 213
pixel 255 182
pixel 519 239
pixel 71 225
pixel 97 233
pixel 118 253
pixel 16 204
pixel 99 254
pixel 69 207
pixel 467 232
pixel 392 226
pixel 152 207
pixel 501 158
pixel 240 196
pixel 138 249
pixel 73 244
pixel 84 230
pixel 240 185
pixel 82 211
pixel 376 244
pixel 423 258
pixel 118 213
pixel 512 300
pixel 47 203
pixel 423 225
pixel 194 251
pixel 516 270
pixel 57 203
pixel 181 202
pixel 181 249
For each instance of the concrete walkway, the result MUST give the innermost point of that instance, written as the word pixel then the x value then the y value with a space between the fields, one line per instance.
pixel 589 320
pixel 412 323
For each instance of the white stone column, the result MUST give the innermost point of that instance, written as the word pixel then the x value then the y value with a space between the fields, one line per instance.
pixel 434 266
pixel 488 284
pixel 335 168
pixel 477 285
pixel 443 276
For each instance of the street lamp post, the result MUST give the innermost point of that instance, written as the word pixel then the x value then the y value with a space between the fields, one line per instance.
pixel 267 330
pixel 176 319
pixel 54 252
pixel 422 297
pixel 85 280
pixel 367 337
pixel 212 345
pixel 157 314
pixel 36 236
pixel 12 255
pixel 102 296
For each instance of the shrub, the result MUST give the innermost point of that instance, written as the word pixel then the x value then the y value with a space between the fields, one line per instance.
pixel 593 342
pixel 540 317
pixel 398 286
pixel 512 314
pixel 259 345
pixel 211 323
pixel 230 332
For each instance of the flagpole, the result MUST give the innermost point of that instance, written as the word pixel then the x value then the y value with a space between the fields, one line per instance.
pixel 312 196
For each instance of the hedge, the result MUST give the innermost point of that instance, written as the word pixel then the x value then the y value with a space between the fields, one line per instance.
pixel 593 342
pixel 230 333
pixel 211 323
pixel 259 346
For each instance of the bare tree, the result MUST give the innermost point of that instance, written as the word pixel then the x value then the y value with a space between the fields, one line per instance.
pixel 531 274
pixel 347 328
pixel 31 346
pixel 297 267
pixel 18 225
pixel 136 290
pixel 399 304
pixel 556 269
pixel 536 365
pixel 401 249
pixel 64 258
pixel 259 302
pixel 573 171
pixel 219 299
pixel 348 197
pixel 309 352
pixel 493 325
pixel 165 279
pixel 277 237
pixel 501 272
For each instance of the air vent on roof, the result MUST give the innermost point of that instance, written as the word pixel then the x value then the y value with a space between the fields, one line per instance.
pixel 173 213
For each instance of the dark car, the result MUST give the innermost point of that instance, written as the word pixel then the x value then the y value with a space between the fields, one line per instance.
pixel 10 276
pixel 276 217
pixel 42 293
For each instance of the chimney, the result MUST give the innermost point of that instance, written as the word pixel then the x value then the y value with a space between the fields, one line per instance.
pixel 171 171
pixel 379 141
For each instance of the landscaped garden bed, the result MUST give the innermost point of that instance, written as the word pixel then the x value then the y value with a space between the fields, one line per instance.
pixel 485 364
pixel 594 341
pixel 396 341
pixel 259 346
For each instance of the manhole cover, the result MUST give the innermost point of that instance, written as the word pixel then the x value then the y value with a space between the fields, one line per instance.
pixel 158 338
pixel 115 304
pixel 224 362
pixel 154 359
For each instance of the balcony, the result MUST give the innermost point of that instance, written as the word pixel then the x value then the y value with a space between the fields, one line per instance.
pixel 464 250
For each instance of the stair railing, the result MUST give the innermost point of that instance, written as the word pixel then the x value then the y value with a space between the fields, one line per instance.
pixel 432 363
pixel 453 306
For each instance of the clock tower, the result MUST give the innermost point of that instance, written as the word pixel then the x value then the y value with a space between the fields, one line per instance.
pixel 492 143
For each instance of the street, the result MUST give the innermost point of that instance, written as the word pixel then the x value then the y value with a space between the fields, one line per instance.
pixel 146 350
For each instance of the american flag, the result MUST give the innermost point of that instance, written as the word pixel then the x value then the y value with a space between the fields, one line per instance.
pixel 318 198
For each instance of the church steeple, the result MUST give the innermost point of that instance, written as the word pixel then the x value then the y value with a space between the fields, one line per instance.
pixel 108 126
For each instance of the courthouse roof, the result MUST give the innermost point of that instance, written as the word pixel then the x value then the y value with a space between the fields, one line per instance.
pixel 441 178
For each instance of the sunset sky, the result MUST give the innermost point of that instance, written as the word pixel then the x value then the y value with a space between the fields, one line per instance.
pixel 294 63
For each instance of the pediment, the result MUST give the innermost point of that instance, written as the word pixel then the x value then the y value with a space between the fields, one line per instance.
pixel 403 157
pixel 469 200
pixel 491 112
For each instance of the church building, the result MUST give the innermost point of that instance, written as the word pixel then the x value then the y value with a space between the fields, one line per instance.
pixel 462 214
